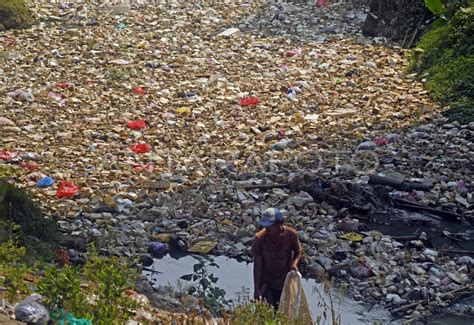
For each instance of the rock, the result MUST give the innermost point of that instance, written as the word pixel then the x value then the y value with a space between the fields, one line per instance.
pixel 302 199
pixel 146 260
pixel 316 270
pixel 394 299
pixel 370 64
pixel 325 262
pixel 360 270
pixel 349 225
pixel 367 145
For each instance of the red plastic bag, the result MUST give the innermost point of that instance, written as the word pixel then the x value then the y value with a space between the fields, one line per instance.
pixel 322 3
pixel 30 165
pixel 141 168
pixel 8 155
pixel 64 85
pixel 138 90
pixel 67 189
pixel 136 125
pixel 380 141
pixel 9 41
pixel 141 148
pixel 62 256
pixel 249 101
pixel 291 54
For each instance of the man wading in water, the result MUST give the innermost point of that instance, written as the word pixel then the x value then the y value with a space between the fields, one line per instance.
pixel 276 251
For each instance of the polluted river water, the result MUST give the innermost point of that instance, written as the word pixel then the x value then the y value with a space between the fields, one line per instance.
pixel 236 277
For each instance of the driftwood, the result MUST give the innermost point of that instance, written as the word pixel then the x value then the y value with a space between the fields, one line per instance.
pixel 263 186
pixel 402 238
pixel 398 184
pixel 415 206
pixel 455 251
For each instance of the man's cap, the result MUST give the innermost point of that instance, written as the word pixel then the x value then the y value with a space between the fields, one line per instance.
pixel 270 216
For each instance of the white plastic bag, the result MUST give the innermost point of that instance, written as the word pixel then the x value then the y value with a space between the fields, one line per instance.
pixel 293 301
pixel 31 311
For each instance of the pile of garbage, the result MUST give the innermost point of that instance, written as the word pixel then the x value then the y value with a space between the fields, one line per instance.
pixel 149 127
pixel 314 21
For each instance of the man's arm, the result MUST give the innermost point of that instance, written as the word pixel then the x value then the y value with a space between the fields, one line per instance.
pixel 297 253
pixel 257 277
pixel 257 253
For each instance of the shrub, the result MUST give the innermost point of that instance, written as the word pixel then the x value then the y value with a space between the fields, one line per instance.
pixel 61 289
pixel 13 270
pixel 103 298
pixel 21 220
pixel 445 55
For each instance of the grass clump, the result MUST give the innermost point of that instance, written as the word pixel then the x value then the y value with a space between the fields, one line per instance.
pixel 445 56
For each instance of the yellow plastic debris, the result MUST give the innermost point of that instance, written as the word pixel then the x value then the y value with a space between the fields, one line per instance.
pixel 203 246
pixel 352 236
pixel 185 110
pixel 164 238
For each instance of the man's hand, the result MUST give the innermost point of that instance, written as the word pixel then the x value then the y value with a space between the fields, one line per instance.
pixel 294 267
pixel 257 295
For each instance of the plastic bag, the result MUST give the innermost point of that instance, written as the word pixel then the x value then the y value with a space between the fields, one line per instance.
pixel 61 318
pixel 293 301
pixel 156 249
pixel 45 182
pixel 139 91
pixel 136 125
pixel 141 148
pixel 66 189
pixel 138 168
pixel 249 101
pixel 8 155
pixel 64 85
pixel 30 165
pixel 31 311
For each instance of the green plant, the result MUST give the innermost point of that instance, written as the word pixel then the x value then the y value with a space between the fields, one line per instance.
pixel 445 57
pixel 120 73
pixel 329 313
pixel 436 6
pixel 204 285
pixel 31 228
pixel 97 292
pixel 13 270
pixel 61 289
pixel 247 312
pixel 110 278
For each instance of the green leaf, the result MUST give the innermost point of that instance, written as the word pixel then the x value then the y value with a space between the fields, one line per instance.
pixel 435 6
pixel 191 290
pixel 186 277
pixel 197 267
pixel 439 22
pixel 205 283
